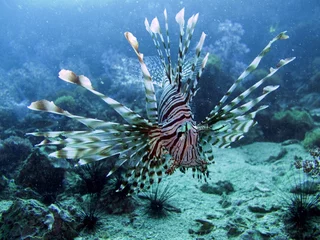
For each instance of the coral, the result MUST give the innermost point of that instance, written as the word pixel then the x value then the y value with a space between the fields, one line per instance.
pixel 213 63
pixel 123 73
pixel 229 47
pixel 289 124
pixel 29 219
pixel 312 139
pixel 311 101
pixel 218 188
pixel 310 167
pixel 24 81
pixel 314 82
pixel 66 102
pixel 294 117
pixel 13 151
pixel 38 174
pixel 3 183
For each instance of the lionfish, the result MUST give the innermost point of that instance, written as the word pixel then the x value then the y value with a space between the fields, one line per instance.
pixel 169 138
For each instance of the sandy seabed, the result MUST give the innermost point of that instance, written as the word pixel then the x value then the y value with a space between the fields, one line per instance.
pixel 261 174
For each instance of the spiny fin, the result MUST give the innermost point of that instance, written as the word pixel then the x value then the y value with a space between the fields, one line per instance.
pixel 126 113
pixel 151 100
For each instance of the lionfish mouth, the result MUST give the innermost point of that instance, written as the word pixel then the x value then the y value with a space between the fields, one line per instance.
pixel 147 146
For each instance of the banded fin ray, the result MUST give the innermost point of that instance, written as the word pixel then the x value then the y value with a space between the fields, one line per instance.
pixel 229 122
pixel 169 138
pixel 151 100
pixel 153 29
pixel 49 106
pixel 247 92
pixel 176 75
pixel 252 66
pixel 127 114
pixel 223 133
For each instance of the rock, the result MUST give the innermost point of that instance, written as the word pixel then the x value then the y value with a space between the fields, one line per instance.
pixel 38 174
pixel 218 188
pixel 30 219
pixel 205 228
pixel 289 124
pixel 236 226
pixel 13 151
pixel 263 153
pixel 263 208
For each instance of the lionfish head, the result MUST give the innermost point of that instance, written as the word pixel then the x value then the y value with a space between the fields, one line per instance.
pixel 184 148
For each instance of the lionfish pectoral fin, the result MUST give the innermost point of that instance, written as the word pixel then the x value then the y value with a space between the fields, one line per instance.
pixel 144 174
pixel 49 106
pixel 126 113
pixel 221 107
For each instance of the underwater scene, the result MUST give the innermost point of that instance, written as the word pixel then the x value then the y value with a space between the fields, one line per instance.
pixel 144 119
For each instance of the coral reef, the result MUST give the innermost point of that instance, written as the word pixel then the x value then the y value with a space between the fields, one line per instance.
pixel 66 102
pixel 229 47
pixel 310 167
pixel 312 139
pixel 30 219
pixel 287 124
pixel 13 150
pixel 38 174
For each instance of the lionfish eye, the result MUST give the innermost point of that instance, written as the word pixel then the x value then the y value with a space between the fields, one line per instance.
pixel 179 134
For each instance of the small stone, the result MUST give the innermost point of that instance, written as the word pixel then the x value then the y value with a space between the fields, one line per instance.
pixel 218 188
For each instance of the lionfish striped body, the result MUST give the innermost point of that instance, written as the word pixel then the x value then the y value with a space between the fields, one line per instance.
pixel 169 138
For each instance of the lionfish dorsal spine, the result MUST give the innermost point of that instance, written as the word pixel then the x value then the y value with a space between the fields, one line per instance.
pixel 153 30
pixel 167 46
pixel 193 85
pixel 180 21
pixel 192 21
pixel 151 100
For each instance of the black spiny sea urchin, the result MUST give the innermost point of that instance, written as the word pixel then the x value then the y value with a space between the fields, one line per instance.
pixel 158 202
pixel 303 212
pixel 91 214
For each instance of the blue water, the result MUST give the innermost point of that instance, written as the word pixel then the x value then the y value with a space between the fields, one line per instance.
pixel 75 34
pixel 53 34
pixel 38 38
